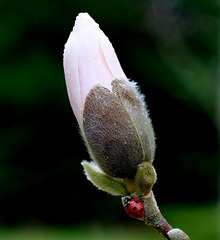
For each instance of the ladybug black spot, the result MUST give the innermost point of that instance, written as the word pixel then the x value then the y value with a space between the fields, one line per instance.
pixel 141 210
pixel 136 201
pixel 134 208
pixel 127 199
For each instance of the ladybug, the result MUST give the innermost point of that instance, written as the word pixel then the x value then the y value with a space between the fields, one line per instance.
pixel 133 207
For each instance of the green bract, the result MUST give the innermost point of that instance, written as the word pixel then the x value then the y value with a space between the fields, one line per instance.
pixel 102 181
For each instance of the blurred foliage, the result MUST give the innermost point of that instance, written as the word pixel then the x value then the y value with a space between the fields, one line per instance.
pixel 189 218
pixel 169 47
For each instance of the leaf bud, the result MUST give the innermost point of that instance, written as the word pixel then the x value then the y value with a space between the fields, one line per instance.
pixel 144 178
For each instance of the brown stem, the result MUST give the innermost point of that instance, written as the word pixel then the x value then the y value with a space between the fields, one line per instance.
pixel 159 223
pixel 154 218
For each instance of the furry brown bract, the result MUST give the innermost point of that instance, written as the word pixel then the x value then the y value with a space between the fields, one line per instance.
pixel 117 129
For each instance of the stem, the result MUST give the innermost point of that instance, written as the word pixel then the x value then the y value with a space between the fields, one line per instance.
pixel 154 218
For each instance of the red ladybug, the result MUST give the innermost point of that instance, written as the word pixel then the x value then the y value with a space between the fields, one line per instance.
pixel 133 207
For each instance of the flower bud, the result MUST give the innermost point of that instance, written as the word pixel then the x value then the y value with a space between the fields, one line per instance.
pixel 111 112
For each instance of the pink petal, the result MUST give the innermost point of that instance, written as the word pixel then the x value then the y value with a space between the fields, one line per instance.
pixel 89 59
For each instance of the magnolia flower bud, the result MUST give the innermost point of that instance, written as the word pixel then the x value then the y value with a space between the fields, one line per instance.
pixel 111 112
pixel 114 124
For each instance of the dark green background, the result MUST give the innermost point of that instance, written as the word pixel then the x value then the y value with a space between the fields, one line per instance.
pixel 168 47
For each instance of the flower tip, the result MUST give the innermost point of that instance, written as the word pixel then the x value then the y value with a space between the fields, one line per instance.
pixel 83 15
pixel 84 22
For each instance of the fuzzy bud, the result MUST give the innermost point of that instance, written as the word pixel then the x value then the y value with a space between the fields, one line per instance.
pixel 177 234
pixel 144 178
pixel 117 129
pixel 110 110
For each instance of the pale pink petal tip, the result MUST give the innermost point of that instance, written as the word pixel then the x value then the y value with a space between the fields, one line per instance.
pixel 85 22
